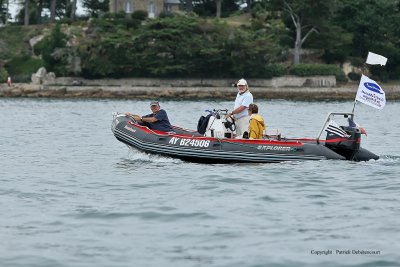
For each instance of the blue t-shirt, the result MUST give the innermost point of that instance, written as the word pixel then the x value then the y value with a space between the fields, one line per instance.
pixel 162 123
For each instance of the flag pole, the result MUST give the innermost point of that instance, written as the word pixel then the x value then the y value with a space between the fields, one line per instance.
pixel 354 106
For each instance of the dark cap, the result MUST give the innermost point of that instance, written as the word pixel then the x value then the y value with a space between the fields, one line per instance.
pixel 154 103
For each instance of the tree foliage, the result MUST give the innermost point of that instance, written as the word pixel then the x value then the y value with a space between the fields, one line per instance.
pixel 3 11
pixel 303 17
pixel 180 47
pixel 117 45
pixel 3 75
pixel 53 51
pixel 21 67
pixel 374 26
pixel 96 7
pixel 208 8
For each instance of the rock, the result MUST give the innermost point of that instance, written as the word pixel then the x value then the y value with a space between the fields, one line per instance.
pixel 16 92
pixel 33 41
pixel 38 76
pixel 49 78
pixel 30 90
pixel 77 83
pixel 41 72
pixel 74 63
pixel 42 77
pixel 35 79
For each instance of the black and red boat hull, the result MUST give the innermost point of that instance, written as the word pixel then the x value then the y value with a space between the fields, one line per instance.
pixel 191 146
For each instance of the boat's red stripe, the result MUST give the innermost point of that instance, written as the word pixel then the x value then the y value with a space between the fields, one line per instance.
pixel 306 140
pixel 335 140
pixel 262 142
pixel 339 139
pixel 292 142
pixel 243 141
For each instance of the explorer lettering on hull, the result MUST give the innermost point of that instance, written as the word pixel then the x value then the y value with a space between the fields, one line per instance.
pixel 276 148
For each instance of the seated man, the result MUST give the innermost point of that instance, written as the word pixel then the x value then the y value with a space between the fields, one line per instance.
pixel 256 125
pixel 158 120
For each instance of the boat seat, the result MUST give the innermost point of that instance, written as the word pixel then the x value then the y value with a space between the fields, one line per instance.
pixel 272 134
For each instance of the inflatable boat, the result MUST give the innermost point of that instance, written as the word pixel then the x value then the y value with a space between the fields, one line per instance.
pixel 218 145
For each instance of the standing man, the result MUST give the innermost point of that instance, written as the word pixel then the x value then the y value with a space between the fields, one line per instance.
pixel 243 99
pixel 157 120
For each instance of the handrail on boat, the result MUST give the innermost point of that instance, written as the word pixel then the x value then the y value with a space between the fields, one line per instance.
pixel 328 118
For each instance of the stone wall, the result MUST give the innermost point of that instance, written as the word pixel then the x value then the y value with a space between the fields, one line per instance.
pixel 285 81
pixel 347 92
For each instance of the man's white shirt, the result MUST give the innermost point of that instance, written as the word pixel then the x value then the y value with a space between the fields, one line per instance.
pixel 243 100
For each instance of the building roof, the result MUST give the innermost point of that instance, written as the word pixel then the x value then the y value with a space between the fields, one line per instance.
pixel 175 2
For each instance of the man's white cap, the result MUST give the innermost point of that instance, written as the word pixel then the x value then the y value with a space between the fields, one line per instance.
pixel 242 82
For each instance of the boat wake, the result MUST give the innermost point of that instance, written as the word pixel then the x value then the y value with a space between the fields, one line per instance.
pixel 389 159
pixel 138 156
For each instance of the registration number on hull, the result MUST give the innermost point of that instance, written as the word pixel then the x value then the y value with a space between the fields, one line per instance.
pixel 189 142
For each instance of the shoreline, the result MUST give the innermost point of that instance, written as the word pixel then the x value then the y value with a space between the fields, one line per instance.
pixel 345 92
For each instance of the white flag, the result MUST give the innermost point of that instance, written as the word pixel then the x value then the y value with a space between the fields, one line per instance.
pixel 370 93
pixel 375 59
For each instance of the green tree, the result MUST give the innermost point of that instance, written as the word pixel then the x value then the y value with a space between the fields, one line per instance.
pixel 96 7
pixel 217 8
pixel 304 17
pixel 54 52
pixel 4 15
pixel 375 27
pixel 3 75
pixel 180 47
pixel 35 10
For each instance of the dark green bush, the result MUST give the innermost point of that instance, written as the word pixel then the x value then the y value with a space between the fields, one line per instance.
pixel 379 73
pixel 139 15
pixel 39 47
pixel 54 51
pixel 273 70
pixel 120 15
pixel 21 78
pixel 3 75
pixel 23 65
pixel 165 14
pixel 131 23
pixel 107 15
pixel 109 25
pixel 357 62
pixel 354 76
pixel 318 69
pixel 65 21
pixel 105 25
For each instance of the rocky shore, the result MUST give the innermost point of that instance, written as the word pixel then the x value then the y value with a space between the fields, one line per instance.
pixel 346 92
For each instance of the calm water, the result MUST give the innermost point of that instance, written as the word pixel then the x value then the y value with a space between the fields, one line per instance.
pixel 72 195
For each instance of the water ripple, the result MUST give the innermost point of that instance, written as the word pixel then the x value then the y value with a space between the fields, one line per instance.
pixel 72 195
pixel 147 215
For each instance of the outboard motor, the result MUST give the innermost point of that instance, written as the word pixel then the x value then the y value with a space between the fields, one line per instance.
pixel 346 145
pixel 345 140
